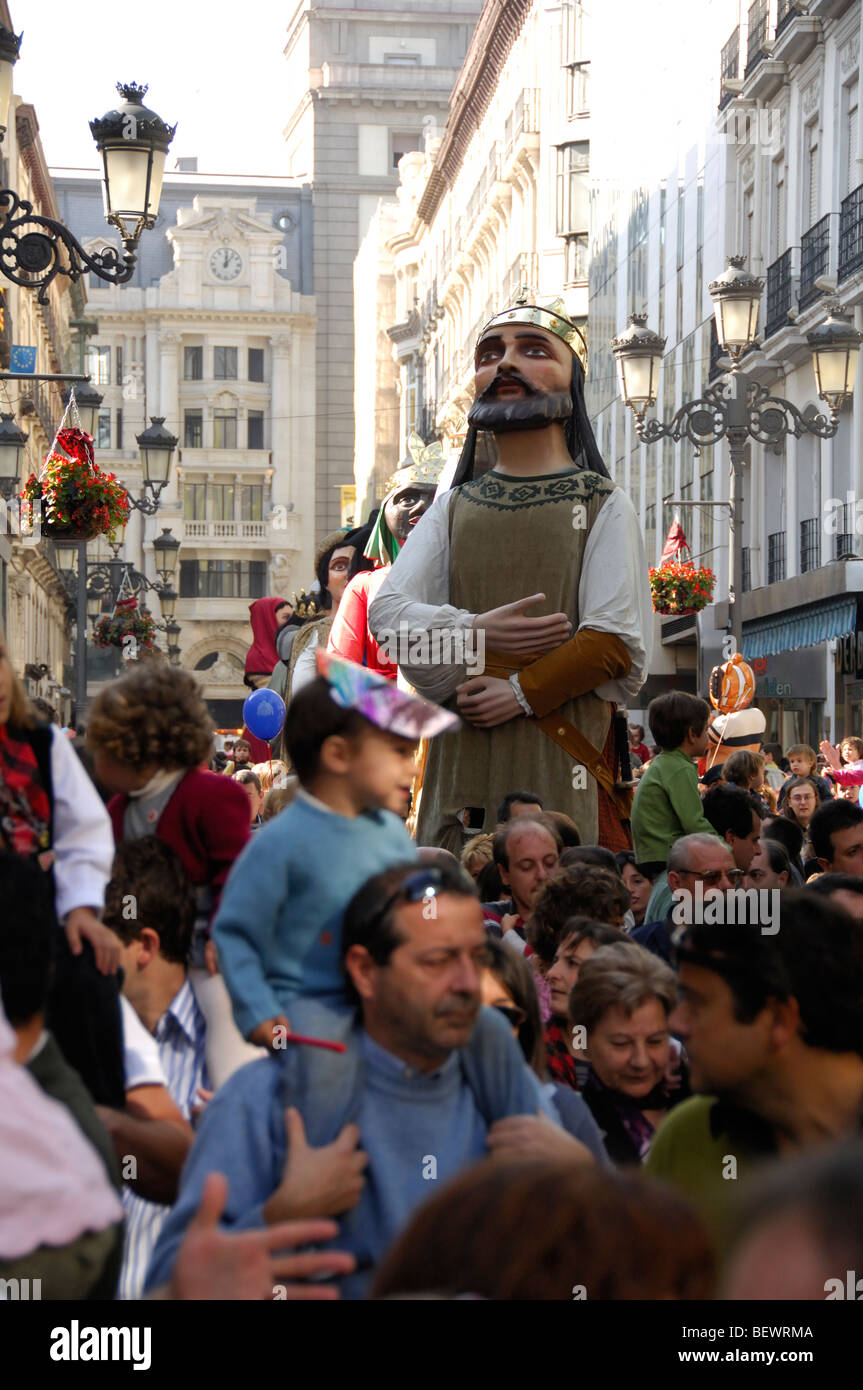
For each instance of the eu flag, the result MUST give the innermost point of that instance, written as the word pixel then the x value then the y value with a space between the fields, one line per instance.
pixel 23 359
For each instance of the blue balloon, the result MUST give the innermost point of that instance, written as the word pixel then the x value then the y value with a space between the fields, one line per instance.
pixel 264 714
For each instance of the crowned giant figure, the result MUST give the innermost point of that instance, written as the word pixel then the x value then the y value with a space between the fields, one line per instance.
pixel 537 564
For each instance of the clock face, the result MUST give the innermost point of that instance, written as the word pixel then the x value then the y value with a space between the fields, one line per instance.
pixel 226 263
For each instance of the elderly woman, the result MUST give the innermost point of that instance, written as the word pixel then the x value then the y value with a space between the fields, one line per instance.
pixel 580 937
pixel 620 1003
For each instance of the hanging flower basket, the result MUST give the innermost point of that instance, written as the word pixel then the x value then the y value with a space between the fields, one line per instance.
pixel 681 588
pixel 79 501
pixel 126 621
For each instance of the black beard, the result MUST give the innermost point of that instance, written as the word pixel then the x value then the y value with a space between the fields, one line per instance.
pixel 535 411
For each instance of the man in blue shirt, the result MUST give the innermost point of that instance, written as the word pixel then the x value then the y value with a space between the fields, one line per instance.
pixel 428 1082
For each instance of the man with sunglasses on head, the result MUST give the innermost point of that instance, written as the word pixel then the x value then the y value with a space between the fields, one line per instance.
pixel 692 859
pixel 427 1082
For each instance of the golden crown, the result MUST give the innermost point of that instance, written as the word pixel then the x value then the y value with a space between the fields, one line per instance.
pixel 307 606
pixel 551 315
pixel 425 468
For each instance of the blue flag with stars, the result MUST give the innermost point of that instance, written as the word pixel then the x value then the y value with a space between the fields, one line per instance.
pixel 23 359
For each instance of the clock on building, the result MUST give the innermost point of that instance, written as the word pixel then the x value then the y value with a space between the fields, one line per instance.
pixel 226 263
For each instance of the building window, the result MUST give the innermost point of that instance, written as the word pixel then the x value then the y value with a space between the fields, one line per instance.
pixel 193 429
pixel 577 259
pixel 193 363
pixel 99 365
pixel 810 178
pixel 402 60
pixel 810 544
pixel 223 578
pixel 573 165
pixel 225 363
pixel 222 495
pixel 118 354
pixel 577 85
pixel 850 135
pixel 256 429
pixel 251 502
pixel 195 501
pixel 776 557
pixel 403 144
pixel 103 430
pixel 224 429
pixel 256 364
pixel 119 429
pixel 778 208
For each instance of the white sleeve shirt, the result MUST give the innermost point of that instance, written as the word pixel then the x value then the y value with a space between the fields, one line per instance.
pixel 141 1061
pixel 613 594
pixel 83 839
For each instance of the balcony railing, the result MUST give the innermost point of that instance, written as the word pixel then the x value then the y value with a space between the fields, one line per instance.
pixel 778 294
pixel 730 68
pixel 814 260
pixel 759 15
pixel 226 530
pixel 785 12
pixel 846 537
pixel 810 544
pixel 776 557
pixel 851 233
pixel 523 119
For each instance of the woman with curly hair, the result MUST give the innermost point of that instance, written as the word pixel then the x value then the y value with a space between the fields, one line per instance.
pixel 150 733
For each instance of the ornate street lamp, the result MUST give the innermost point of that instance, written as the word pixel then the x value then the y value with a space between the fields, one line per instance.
pixel 133 142
pixel 88 401
pixel 94 603
pixel 638 352
pixel 835 347
pixel 166 549
pixel 736 298
pixel 157 447
pixel 10 46
pixel 12 443
pixel 167 603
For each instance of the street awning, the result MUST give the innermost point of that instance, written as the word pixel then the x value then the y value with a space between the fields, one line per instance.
pixel 804 628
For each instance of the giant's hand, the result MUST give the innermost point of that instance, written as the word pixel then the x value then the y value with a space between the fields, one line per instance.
pixel 487 701
pixel 509 629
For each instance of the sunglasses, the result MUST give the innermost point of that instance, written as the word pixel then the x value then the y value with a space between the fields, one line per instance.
pixel 514 1016
pixel 420 887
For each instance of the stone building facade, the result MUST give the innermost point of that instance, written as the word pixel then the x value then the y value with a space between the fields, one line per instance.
pixel 372 80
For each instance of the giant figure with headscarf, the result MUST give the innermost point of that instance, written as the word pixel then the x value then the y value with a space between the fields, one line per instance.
pixel 541 559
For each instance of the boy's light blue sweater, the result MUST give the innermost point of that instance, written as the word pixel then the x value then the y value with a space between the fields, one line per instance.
pixel 278 927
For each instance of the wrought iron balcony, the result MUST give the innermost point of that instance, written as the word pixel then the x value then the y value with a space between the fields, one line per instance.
pixel 730 68
pixel 785 12
pixel 851 233
pixel 759 15
pixel 776 557
pixel 778 294
pixel 814 260
pixel 810 544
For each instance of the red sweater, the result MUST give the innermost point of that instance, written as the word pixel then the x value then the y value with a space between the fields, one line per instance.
pixel 206 821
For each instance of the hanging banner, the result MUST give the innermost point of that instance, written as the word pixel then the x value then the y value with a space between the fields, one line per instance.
pixel 675 542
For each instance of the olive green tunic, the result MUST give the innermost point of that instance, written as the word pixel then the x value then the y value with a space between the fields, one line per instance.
pixel 511 537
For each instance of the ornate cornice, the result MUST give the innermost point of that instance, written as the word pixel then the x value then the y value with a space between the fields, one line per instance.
pixel 497 29
pixel 259 318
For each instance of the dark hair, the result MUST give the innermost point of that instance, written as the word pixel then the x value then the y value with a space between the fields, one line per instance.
pixel 489 884
pixel 505 807
pixel 581 889
pixel 564 825
pixel 246 776
pixel 28 933
pixel 637 729
pixel 832 816
pixel 501 837
pixel 547 1225
pixel 358 539
pixel 671 716
pixel 43 708
pixel 365 923
pixel 590 854
pixel 777 857
pixel 517 978
pixel 626 856
pixel 219 761
pixel 312 718
pixel 786 832
pixel 242 743
pixel 580 928
pixel 730 808
pixel 156 714
pixel 827 884
pixel 151 874
pixel 857 742
pixel 791 785
pixel 816 957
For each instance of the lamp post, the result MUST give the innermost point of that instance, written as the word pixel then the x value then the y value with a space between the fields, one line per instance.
pixel 156 446
pixel 133 142
pixel 737 409
pixel 12 443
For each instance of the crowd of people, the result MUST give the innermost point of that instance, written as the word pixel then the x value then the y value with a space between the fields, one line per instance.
pixel 418 999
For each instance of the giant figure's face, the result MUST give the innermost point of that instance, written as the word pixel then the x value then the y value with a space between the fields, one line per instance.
pixel 523 379
pixel 405 508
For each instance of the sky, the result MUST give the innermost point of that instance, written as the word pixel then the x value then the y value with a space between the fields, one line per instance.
pixel 217 69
